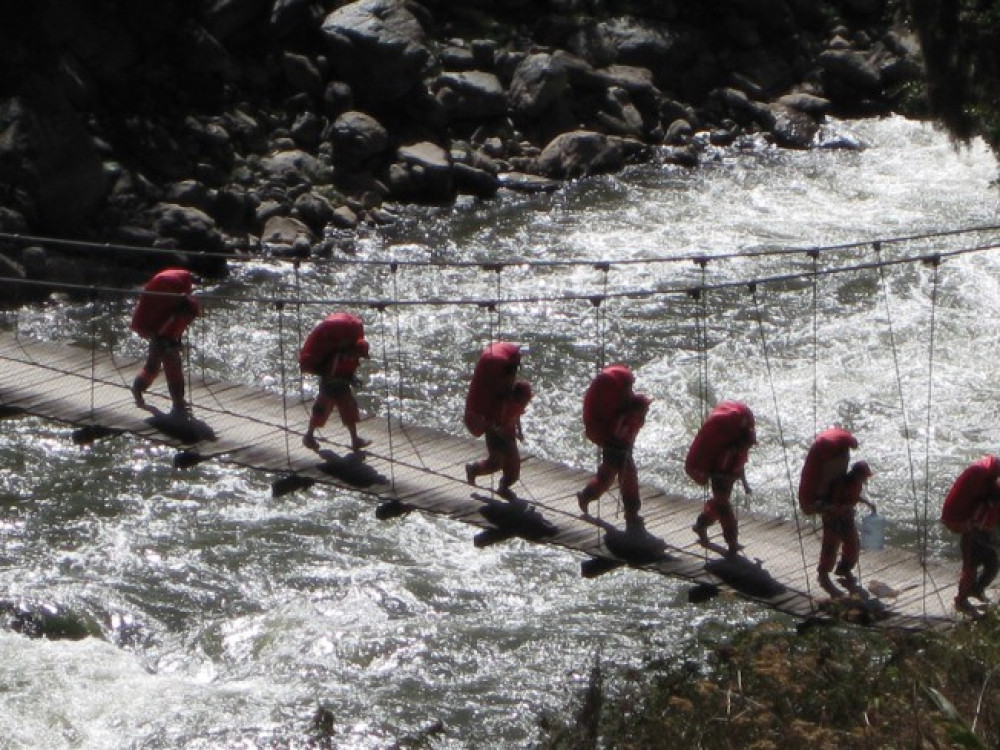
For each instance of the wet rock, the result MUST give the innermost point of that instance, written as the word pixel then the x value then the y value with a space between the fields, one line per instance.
pixel 792 128
pixel 579 153
pixel 280 234
pixel 470 180
pixel 422 172
pixel 313 210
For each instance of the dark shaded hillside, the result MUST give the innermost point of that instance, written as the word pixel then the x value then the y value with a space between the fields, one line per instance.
pixel 242 125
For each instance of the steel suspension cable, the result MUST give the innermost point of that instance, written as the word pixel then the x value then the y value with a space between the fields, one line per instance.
pixel 924 530
pixel 279 306
pixel 781 434
pixel 815 341
pixel 899 377
pixel 383 335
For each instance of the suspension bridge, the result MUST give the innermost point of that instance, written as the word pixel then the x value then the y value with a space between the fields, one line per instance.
pixel 409 468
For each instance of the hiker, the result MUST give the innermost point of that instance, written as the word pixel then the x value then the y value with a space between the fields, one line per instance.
pixel 493 407
pixel 972 509
pixel 717 457
pixel 840 532
pixel 613 414
pixel 333 351
pixel 165 309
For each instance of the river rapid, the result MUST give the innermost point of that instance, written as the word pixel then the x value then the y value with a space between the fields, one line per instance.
pixel 225 618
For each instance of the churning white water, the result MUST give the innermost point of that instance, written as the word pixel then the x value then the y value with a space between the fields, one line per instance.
pixel 222 617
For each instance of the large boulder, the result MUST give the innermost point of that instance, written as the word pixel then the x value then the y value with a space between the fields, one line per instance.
pixel 422 173
pixel 45 150
pixel 377 46
pixel 538 81
pixel 580 153
pixel 471 95
pixel 357 138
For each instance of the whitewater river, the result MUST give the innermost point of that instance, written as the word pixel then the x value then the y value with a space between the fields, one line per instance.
pixel 225 618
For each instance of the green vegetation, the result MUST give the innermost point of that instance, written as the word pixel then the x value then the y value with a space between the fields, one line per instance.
pixel 961 46
pixel 836 686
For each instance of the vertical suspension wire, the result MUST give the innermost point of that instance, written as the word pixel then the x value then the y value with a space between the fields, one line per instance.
pixel 700 296
pixel 93 350
pixel 296 265
pixel 384 336
pixel 895 363
pixel 279 306
pixel 814 254
pixel 394 269
pixel 600 327
pixel 935 262
pixel 781 434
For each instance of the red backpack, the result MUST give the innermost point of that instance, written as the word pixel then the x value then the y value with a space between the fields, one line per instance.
pixel 163 314
pixel 604 400
pixel 491 381
pixel 826 462
pixel 730 423
pixel 339 334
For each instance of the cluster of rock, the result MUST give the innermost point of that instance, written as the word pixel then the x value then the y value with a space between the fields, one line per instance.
pixel 236 125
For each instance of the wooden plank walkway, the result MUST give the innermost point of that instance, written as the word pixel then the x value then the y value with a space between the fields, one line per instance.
pixel 409 467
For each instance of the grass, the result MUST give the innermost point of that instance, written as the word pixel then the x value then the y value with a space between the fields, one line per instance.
pixel 771 688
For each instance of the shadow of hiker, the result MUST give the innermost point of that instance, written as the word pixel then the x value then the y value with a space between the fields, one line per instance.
pixel 350 469
pixel 515 518
pixel 633 544
pixel 745 576
pixel 181 427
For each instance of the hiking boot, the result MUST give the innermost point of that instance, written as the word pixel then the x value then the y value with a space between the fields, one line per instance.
pixel 310 442
pixel 583 502
pixel 702 532
pixel 963 605
pixel 470 474
pixel 359 444
pixel 137 394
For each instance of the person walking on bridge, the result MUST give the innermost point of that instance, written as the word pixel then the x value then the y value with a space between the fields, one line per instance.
pixel 494 406
pixel 613 414
pixel 718 457
pixel 333 351
pixel 165 309
pixel 972 509
pixel 840 531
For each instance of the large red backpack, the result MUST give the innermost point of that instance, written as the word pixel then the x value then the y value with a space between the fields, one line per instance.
pixel 491 380
pixel 965 502
pixel 826 462
pixel 161 314
pixel 604 400
pixel 729 423
pixel 338 334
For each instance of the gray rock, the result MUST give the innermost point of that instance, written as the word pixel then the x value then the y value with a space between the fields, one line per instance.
pixel 580 153
pixel 191 228
pixel 313 210
pixel 423 173
pixel 299 164
pixel 471 95
pixel 357 137
pixel 280 234
pixel 793 128
pixel 472 181
pixel 377 46
pixel 851 67
pixel 537 82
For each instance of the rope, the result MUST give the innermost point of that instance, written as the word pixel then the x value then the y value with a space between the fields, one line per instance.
pixel 388 399
pixel 899 377
pixel 298 323
pixel 107 248
pixel 815 341
pixel 924 530
pixel 644 293
pixel 280 306
pixel 93 353
pixel 781 437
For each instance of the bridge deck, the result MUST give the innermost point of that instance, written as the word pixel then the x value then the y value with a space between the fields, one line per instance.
pixel 411 467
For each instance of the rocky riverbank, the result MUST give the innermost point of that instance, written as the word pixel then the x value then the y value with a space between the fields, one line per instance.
pixel 280 126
